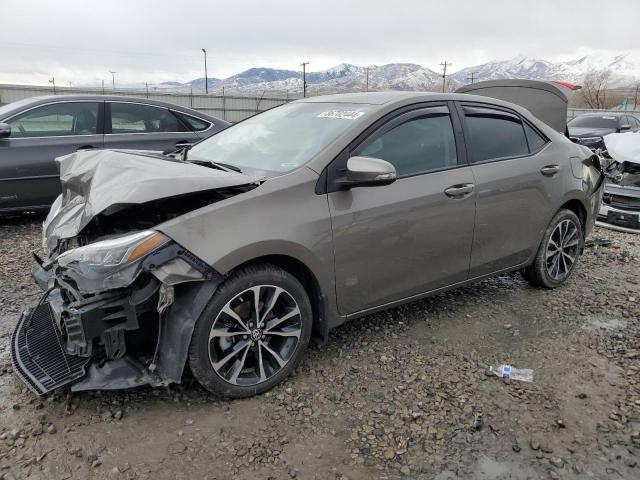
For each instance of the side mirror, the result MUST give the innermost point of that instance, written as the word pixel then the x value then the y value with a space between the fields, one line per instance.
pixel 369 172
pixel 5 130
pixel 625 127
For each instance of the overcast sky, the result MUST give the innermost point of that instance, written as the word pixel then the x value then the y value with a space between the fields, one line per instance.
pixel 158 40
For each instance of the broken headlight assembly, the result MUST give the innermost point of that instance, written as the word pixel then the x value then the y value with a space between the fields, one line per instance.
pixel 112 263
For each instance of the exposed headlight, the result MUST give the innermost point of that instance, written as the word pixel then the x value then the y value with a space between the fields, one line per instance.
pixel 590 139
pixel 113 263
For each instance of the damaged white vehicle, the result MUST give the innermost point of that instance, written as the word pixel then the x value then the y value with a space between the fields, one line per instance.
pixel 620 209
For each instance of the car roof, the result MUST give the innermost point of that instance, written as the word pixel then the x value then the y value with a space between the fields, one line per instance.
pixel 372 98
pixel 384 100
pixel 44 99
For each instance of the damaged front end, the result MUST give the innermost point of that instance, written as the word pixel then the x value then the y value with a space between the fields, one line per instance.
pixel 118 309
pixel 620 208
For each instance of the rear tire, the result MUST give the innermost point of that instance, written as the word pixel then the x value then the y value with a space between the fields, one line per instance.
pixel 558 252
pixel 239 350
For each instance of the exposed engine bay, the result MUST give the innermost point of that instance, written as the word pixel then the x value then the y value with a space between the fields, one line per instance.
pixel 620 208
pixel 120 298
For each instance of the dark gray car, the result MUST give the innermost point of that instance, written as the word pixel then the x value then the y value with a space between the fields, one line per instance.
pixel 35 131
pixel 590 128
pixel 286 225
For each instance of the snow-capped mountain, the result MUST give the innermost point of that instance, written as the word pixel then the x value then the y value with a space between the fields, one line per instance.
pixel 625 69
pixel 518 67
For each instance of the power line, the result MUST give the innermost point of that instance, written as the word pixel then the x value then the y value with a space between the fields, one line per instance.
pixel 444 74
pixel 304 78
pixel 206 80
pixel 366 69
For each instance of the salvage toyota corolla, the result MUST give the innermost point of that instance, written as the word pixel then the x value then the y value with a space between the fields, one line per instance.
pixel 230 257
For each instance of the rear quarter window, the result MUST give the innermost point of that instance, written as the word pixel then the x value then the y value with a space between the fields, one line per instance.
pixel 535 139
pixel 195 124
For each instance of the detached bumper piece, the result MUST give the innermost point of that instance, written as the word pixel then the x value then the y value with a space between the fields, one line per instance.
pixel 38 353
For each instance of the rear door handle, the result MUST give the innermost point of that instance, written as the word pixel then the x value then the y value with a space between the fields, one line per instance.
pixel 550 170
pixel 460 190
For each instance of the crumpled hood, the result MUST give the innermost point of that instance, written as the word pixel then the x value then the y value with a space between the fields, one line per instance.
pixel 624 147
pixel 99 181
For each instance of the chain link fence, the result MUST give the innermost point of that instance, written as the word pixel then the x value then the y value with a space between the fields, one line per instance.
pixel 231 108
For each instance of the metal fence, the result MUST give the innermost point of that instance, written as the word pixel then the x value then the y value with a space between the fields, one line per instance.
pixel 574 112
pixel 232 108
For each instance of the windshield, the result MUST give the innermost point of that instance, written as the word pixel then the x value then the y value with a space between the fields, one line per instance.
pixel 281 139
pixel 10 107
pixel 593 121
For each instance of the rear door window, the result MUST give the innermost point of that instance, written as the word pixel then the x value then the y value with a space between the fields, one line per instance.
pixel 137 118
pixel 494 134
pixel 57 119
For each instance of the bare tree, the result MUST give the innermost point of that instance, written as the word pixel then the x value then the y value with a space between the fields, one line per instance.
pixel 594 86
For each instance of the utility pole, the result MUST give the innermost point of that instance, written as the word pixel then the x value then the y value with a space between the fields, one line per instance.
pixel 69 84
pixel 53 81
pixel 103 86
pixel 206 78
pixel 472 77
pixel 113 79
pixel 444 74
pixel 366 70
pixel 304 78
pixel 146 84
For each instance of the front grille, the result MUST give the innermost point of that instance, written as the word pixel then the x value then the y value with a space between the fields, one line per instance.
pixel 38 354
pixel 622 202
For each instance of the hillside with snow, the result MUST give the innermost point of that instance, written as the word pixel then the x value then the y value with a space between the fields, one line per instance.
pixel 625 71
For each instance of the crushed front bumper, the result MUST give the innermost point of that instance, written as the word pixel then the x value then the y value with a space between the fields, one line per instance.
pixel 38 353
pixel 618 219
pixel 113 340
pixel 619 209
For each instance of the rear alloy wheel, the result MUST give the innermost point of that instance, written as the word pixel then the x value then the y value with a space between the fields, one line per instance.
pixel 558 252
pixel 562 250
pixel 252 334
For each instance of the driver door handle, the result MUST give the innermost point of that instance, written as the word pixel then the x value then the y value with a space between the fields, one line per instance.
pixel 550 170
pixel 460 190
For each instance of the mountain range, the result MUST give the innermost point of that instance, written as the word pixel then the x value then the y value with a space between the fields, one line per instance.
pixel 625 71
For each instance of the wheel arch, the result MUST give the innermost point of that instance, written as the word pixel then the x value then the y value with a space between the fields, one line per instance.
pixel 577 207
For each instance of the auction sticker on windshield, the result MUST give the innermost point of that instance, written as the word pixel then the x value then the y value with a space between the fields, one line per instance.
pixel 345 114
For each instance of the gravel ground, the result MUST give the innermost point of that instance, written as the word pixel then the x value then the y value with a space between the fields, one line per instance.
pixel 402 393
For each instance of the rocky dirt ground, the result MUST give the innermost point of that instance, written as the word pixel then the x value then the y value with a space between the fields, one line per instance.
pixel 396 394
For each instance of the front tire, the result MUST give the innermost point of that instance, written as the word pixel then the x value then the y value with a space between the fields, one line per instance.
pixel 252 334
pixel 558 252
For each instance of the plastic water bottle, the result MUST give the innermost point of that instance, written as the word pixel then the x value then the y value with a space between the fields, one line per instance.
pixel 508 372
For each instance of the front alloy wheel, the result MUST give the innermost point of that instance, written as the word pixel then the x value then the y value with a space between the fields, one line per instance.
pixel 255 335
pixel 253 332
